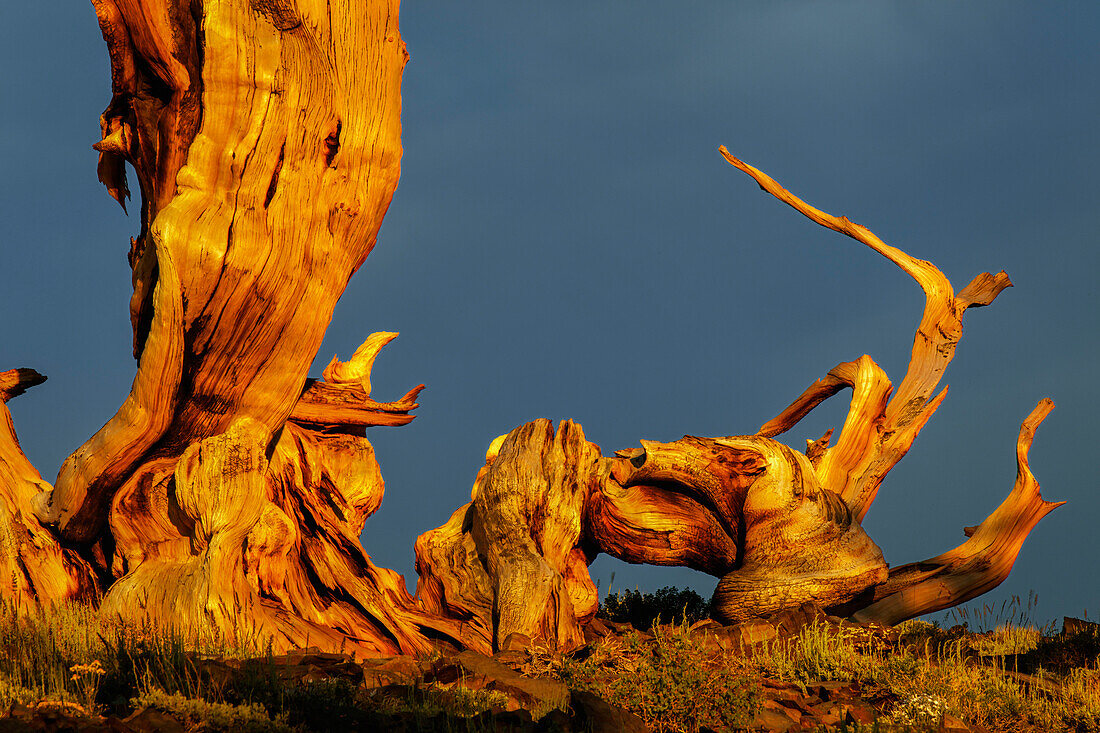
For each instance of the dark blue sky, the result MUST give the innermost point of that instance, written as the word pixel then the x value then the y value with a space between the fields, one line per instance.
pixel 566 241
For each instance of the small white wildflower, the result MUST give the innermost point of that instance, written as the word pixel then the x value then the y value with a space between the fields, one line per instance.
pixel 919 709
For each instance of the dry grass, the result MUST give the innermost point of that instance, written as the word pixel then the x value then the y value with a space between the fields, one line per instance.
pixel 674 685
pixel 72 659
pixel 933 672
pixel 667 677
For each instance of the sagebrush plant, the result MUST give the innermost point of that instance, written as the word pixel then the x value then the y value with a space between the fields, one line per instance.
pixel 665 678
pixel 214 716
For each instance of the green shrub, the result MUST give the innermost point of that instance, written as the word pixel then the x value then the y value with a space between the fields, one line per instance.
pixel 641 610
pixel 213 716
pixel 668 681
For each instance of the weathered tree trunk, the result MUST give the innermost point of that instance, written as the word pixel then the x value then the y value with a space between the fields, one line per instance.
pixel 229 491
pixel 510 561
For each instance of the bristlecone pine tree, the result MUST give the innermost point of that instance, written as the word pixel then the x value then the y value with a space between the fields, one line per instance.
pixel 230 490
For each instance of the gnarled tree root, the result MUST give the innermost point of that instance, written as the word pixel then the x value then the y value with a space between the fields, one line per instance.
pixel 36 569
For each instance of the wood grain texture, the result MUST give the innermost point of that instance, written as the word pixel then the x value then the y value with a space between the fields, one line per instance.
pixel 35 568
pixel 230 490
pixel 510 562
pixel 882 424
pixel 278 202
pixel 979 564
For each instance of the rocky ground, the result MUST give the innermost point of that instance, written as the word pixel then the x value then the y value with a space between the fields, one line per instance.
pixel 509 683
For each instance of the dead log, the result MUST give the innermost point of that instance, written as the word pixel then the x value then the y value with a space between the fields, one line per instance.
pixel 746 509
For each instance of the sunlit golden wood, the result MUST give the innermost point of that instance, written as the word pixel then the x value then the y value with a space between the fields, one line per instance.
pixel 979 564
pixel 230 490
pixel 34 568
pixel 778 527
pixel 880 429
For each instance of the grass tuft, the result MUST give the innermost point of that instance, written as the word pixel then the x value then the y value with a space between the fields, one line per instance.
pixel 1005 675
pixel 666 678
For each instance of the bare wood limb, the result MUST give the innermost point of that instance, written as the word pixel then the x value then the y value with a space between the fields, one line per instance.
pixel 815 449
pixel 925 273
pixel 979 564
pixel 357 369
pixel 35 569
pixel 841 376
pixel 878 434
pixel 327 404
pixel 343 399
